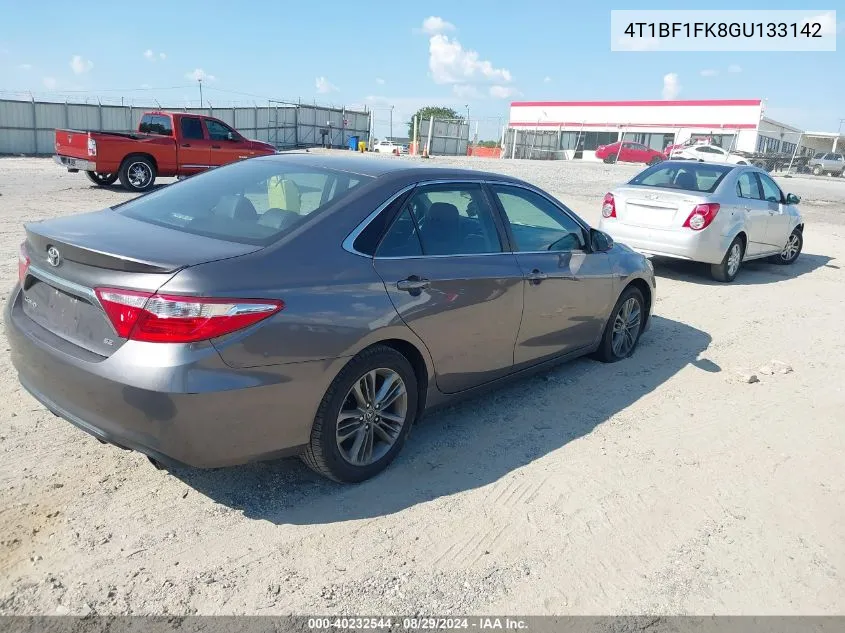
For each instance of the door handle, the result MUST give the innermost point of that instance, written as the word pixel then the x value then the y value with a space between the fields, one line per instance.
pixel 413 283
pixel 215 147
pixel 186 144
pixel 536 276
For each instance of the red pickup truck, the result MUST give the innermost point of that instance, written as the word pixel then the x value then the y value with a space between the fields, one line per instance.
pixel 166 144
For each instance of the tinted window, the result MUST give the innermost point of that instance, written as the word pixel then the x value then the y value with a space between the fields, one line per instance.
pixel 699 177
pixel 536 223
pixel 217 131
pixel 191 128
pixel 747 187
pixel 402 240
pixel 454 220
pixel 828 157
pixel 254 202
pixel 771 192
pixel 156 124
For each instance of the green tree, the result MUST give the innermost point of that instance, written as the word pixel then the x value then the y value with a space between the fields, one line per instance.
pixel 424 114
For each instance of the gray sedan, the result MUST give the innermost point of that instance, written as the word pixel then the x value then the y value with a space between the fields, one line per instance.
pixel 310 305
pixel 719 214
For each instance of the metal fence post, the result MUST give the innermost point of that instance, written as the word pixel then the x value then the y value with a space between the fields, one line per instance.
pixel 34 128
pixel 99 114
pixel 255 121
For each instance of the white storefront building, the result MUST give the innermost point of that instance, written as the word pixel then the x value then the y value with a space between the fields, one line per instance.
pixel 579 127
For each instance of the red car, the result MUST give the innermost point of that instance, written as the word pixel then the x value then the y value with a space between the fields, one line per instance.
pixel 166 144
pixel 629 153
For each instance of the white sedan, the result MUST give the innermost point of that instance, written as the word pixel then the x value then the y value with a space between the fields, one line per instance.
pixel 708 153
pixel 389 147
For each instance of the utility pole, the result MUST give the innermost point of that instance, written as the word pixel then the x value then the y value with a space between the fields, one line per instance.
pixel 391 123
pixel 199 81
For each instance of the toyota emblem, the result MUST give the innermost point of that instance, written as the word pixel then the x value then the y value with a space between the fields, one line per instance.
pixel 54 258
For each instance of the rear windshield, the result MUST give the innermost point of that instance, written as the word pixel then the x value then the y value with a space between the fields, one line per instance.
pixel 251 202
pixel 156 124
pixel 698 177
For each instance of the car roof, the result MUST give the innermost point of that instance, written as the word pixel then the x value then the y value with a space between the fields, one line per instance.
pixel 383 168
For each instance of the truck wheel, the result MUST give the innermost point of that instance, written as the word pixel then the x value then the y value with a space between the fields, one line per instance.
pixel 137 173
pixel 101 180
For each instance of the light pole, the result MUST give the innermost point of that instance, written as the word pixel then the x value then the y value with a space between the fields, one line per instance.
pixel 199 81
pixel 391 123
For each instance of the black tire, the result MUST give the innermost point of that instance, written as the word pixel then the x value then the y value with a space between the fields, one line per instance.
pixel 791 250
pixel 323 455
pixel 609 160
pixel 137 173
pixel 817 170
pixel 655 160
pixel 722 272
pixel 607 351
pixel 101 180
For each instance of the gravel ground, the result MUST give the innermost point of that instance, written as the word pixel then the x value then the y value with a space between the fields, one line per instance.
pixel 662 484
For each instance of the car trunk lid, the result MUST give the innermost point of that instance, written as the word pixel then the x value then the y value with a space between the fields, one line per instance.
pixel 654 207
pixel 70 257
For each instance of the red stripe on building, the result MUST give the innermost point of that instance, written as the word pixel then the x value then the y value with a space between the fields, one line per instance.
pixel 712 126
pixel 705 102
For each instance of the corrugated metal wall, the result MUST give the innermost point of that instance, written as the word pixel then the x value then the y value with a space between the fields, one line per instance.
pixel 28 127
pixel 449 138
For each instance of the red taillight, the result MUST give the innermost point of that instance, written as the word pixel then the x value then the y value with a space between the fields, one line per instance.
pixel 608 207
pixel 144 316
pixel 23 263
pixel 702 216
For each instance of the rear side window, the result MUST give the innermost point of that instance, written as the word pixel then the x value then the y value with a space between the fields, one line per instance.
pixel 698 177
pixel 252 202
pixel 156 124
pixel 191 128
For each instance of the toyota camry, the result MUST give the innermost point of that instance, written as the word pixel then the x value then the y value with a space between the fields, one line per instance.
pixel 310 305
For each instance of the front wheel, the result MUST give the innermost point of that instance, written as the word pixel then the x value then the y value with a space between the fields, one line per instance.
pixel 623 329
pixel 364 417
pixel 101 180
pixel 791 251
pixel 654 160
pixel 727 270
pixel 817 170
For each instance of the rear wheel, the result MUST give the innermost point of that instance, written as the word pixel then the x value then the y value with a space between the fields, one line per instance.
pixel 791 250
pixel 609 160
pixel 817 170
pixel 365 416
pixel 654 160
pixel 623 329
pixel 728 269
pixel 137 173
pixel 101 180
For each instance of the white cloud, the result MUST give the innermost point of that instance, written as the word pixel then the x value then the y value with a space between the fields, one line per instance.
pixel 379 81
pixel 49 83
pixel 709 72
pixel 637 44
pixel 734 68
pixel 502 92
pixel 80 65
pixel 547 79
pixel 198 74
pixel 24 66
pixel 153 56
pixel 433 25
pixel 324 86
pixel 671 86
pixel 826 22
pixel 450 63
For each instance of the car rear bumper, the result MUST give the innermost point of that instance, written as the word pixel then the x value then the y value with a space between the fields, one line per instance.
pixel 75 163
pixel 186 407
pixel 706 246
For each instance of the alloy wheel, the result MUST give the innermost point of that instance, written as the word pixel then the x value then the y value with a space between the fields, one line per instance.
pixel 790 251
pixel 139 175
pixel 626 327
pixel 734 259
pixel 372 417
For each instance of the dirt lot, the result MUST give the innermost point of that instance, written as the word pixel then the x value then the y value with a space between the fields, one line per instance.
pixel 661 484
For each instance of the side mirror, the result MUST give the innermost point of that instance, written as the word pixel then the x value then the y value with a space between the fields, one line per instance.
pixel 600 242
pixel 231 137
pixel 791 198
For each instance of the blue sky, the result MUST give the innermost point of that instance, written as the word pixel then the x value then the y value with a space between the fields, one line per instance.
pixel 479 54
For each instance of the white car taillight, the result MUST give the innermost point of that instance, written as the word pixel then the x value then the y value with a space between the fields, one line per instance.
pixel 92 147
